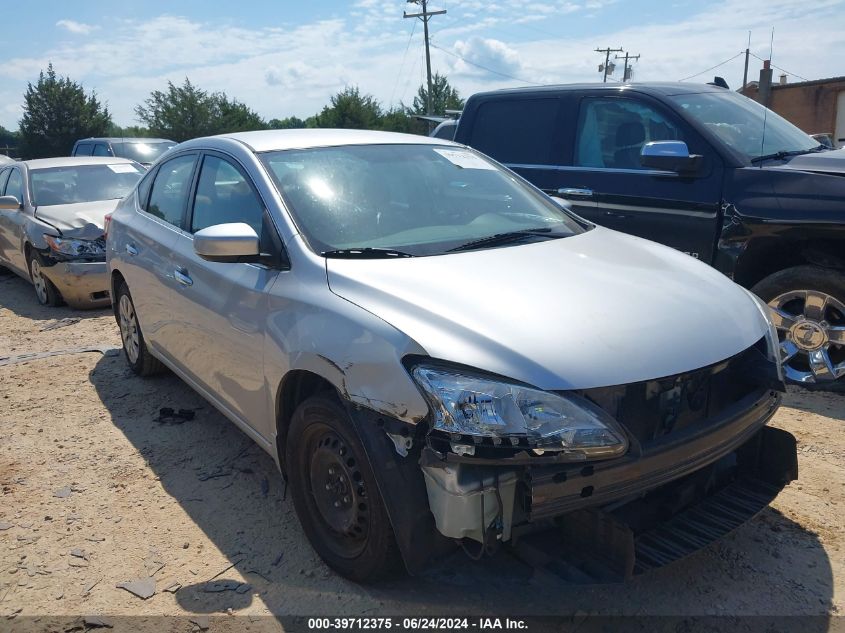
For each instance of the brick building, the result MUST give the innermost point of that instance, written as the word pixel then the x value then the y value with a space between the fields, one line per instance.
pixel 817 107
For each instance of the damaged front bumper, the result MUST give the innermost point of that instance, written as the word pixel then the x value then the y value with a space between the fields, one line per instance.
pixel 613 509
pixel 81 284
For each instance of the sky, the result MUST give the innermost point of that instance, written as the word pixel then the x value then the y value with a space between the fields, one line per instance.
pixel 285 58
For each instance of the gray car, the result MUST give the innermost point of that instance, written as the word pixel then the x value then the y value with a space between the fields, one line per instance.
pixel 142 150
pixel 52 213
pixel 438 355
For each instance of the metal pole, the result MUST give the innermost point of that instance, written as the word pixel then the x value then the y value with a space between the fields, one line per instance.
pixel 427 56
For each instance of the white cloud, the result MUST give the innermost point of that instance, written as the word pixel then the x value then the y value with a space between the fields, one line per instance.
pixel 293 69
pixel 78 28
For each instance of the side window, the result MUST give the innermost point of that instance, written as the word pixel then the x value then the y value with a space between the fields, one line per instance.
pixel 83 149
pixel 225 195
pixel 611 132
pixel 4 176
pixel 170 189
pixel 14 186
pixel 101 150
pixel 516 130
pixel 144 190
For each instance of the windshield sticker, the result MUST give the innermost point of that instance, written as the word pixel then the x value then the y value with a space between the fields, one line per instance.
pixel 464 159
pixel 123 168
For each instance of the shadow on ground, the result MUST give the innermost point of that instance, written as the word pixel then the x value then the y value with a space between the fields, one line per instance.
pixel 233 492
pixel 831 405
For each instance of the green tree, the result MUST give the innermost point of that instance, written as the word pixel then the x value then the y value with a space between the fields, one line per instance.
pixel 398 120
pixel 288 123
pixel 8 139
pixel 350 109
pixel 56 113
pixel 185 112
pixel 443 97
pixel 129 131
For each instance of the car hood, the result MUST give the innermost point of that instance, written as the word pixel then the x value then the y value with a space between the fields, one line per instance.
pixel 828 162
pixel 597 309
pixel 83 219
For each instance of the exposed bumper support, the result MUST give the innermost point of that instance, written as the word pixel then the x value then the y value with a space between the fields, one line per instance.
pixel 82 284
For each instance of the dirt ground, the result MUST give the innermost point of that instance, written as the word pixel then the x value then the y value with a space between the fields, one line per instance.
pixel 96 492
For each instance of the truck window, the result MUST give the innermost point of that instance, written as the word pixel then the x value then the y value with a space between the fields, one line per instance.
pixel 516 130
pixel 611 132
pixel 83 149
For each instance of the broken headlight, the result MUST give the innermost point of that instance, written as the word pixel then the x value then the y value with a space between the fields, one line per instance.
pixel 71 247
pixel 478 406
pixel 772 340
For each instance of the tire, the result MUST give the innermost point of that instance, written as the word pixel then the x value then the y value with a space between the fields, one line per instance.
pixel 335 493
pixel 808 308
pixel 134 347
pixel 46 293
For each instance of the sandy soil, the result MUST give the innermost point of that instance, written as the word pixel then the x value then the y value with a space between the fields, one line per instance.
pixel 96 492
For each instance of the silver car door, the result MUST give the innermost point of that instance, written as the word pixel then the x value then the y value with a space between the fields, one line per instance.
pixel 219 309
pixel 12 224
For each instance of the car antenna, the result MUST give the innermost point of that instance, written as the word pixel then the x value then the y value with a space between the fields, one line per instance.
pixel 766 111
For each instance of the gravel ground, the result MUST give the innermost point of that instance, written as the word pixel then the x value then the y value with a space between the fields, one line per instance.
pixel 96 492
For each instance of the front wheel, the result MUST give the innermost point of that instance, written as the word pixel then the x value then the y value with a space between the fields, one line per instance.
pixel 47 293
pixel 335 493
pixel 808 309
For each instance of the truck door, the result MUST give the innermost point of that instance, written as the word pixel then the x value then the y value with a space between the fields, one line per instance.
pixel 606 183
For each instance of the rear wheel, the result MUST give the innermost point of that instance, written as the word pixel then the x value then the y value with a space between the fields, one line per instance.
pixel 134 347
pixel 45 291
pixel 808 309
pixel 335 493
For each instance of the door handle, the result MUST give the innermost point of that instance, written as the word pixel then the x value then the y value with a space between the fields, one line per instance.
pixel 581 193
pixel 182 277
pixel 131 250
pixel 618 216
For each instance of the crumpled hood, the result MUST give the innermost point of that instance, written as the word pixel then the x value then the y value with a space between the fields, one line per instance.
pixel 829 162
pixel 597 309
pixel 83 219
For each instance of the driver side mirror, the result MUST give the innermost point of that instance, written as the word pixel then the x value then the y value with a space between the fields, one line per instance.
pixel 669 156
pixel 9 203
pixel 234 242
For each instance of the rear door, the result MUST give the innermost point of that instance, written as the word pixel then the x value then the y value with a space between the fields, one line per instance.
pixel 220 309
pixel 144 246
pixel 603 178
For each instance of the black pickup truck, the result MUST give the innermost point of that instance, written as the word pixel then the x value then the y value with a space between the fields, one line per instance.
pixel 704 170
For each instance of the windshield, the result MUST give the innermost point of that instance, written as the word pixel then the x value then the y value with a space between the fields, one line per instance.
pixel 418 199
pixel 82 183
pixel 738 122
pixel 142 152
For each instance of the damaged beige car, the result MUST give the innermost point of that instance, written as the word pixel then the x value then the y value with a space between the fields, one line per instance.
pixel 51 224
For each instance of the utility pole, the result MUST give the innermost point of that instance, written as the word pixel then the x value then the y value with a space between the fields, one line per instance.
pixel 424 16
pixel 625 76
pixel 607 52
pixel 745 74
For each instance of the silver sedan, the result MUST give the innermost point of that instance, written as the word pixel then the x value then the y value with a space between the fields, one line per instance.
pixel 51 224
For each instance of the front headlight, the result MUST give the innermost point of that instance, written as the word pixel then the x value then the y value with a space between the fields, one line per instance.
pixel 70 247
pixel 477 406
pixel 772 339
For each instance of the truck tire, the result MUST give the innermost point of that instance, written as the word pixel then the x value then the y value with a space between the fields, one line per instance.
pixel 134 346
pixel 335 492
pixel 808 309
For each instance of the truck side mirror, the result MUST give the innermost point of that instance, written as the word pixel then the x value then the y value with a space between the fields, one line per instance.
pixel 669 156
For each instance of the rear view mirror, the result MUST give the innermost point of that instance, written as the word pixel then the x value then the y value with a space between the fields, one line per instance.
pixel 669 156
pixel 235 242
pixel 9 203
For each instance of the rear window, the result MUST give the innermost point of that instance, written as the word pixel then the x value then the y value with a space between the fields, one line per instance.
pixel 142 152
pixel 516 130
pixel 82 183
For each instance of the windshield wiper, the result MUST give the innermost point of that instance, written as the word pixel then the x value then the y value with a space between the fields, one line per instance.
pixel 502 238
pixel 785 154
pixel 366 252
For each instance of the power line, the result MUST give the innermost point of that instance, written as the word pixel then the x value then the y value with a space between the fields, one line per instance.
pixel 783 70
pixel 402 65
pixel 706 70
pixel 489 70
pixel 607 51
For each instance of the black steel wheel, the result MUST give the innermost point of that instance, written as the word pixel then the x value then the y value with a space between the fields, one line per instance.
pixel 335 494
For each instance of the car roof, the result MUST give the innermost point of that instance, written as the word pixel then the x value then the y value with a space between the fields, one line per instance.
pixel 667 88
pixel 273 140
pixel 72 161
pixel 125 139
